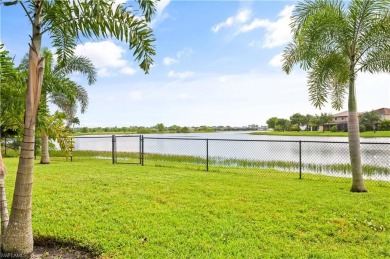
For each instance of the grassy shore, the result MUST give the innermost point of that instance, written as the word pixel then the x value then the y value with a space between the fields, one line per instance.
pixel 130 211
pixel 368 134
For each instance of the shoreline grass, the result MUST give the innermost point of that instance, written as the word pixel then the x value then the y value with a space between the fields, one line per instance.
pixel 125 211
pixel 199 163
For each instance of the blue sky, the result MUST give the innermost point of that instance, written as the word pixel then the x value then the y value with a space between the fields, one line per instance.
pixel 217 63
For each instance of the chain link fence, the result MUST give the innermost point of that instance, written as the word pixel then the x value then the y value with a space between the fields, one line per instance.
pixel 281 158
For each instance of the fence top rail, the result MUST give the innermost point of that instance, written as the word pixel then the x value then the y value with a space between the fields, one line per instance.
pixel 89 137
pixel 235 140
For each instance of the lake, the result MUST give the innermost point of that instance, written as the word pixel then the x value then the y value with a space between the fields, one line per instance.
pixel 243 146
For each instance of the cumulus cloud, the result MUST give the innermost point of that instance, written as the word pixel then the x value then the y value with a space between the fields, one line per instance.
pixel 186 52
pixel 160 14
pixel 276 61
pixel 103 72
pixel 128 70
pixel 135 96
pixel 180 75
pixel 169 61
pixel 278 32
pixel 223 79
pixel 241 17
pixel 106 56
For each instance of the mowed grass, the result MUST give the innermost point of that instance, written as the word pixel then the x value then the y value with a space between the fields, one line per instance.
pixel 130 211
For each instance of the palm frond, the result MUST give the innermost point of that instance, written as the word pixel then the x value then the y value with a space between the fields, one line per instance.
pixel 64 42
pixel 100 20
pixel 78 64
pixel 377 60
pixel 329 76
pixel 82 98
pixel 148 8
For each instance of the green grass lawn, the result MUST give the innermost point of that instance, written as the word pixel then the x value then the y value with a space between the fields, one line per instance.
pixel 367 134
pixel 130 211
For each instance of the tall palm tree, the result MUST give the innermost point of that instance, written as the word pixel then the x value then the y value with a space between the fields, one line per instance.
pixel 66 24
pixel 334 42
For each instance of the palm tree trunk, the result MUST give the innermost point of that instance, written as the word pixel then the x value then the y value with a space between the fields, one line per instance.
pixel 354 139
pixel 3 201
pixel 45 157
pixel 18 238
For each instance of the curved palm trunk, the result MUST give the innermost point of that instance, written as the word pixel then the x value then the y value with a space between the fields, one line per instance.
pixel 45 157
pixel 354 139
pixel 18 238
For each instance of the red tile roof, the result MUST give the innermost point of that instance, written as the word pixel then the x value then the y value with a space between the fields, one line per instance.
pixel 383 110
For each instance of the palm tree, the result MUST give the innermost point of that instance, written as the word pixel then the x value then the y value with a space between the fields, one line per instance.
pixel 66 23
pixel 334 42
pixel 74 121
pixel 63 92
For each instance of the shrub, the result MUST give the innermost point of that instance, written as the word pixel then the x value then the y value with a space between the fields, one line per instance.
pixel 362 128
pixel 384 125
pixel 333 128
pixel 295 128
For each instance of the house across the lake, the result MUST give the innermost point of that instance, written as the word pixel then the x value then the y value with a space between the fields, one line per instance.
pixel 341 119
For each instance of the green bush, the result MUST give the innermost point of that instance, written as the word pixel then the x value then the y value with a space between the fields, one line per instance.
pixel 278 128
pixel 362 128
pixel 384 125
pixel 295 128
pixel 333 128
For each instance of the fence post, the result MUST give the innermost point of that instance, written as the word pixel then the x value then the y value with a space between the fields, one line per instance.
pixel 71 149
pixel 142 150
pixel 300 159
pixel 113 149
pixel 207 155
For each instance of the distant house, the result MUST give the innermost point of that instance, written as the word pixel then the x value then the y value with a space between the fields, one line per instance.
pixel 384 113
pixel 341 119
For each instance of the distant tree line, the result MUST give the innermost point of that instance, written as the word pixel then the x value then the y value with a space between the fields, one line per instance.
pixel 158 128
pixel 369 121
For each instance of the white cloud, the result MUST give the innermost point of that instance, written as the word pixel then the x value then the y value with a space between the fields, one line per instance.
pixel 276 61
pixel 223 79
pixel 183 96
pixel 102 54
pixel 278 32
pixel 103 72
pixel 168 61
pixel 186 52
pixel 128 70
pixel 106 56
pixel 135 96
pixel 161 5
pixel 160 14
pixel 180 75
pixel 241 17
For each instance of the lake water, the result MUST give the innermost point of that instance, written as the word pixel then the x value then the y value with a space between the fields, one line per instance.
pixel 241 145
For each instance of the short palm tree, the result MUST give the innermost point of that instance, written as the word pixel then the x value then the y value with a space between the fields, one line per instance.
pixel 334 42
pixel 63 92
